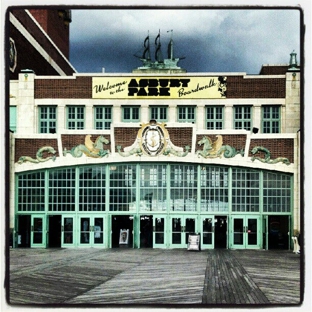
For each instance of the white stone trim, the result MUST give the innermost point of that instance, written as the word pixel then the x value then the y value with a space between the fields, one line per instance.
pixel 193 74
pixel 263 76
pixel 114 157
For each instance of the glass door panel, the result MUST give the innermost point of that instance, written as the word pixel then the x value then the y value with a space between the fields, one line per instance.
pixel 146 230
pixel 189 228
pixel 238 231
pixel 181 227
pixel 67 231
pixel 84 237
pixel 176 231
pixel 159 226
pixel 252 230
pixel 207 230
pixel 245 232
pixel 38 231
pixel 98 231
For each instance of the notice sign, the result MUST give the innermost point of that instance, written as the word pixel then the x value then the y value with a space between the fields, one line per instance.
pixel 159 87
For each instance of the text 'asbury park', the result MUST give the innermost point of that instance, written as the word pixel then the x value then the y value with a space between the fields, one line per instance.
pixel 153 87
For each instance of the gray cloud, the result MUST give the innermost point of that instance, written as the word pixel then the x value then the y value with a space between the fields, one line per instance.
pixel 211 40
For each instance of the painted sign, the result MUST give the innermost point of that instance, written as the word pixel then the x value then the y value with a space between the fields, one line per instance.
pixel 159 87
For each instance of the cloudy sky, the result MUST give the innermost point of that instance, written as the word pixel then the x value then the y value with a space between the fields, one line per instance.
pixel 211 40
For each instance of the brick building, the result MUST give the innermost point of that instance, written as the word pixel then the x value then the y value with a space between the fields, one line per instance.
pixel 39 40
pixel 148 157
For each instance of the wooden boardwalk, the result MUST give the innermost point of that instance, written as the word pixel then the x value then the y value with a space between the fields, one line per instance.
pixel 276 273
pixel 153 277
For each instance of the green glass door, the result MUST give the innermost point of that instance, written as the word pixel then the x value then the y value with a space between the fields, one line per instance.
pixel 180 229
pixel 91 232
pixel 159 232
pixel 245 232
pixel 207 232
pixel 97 231
pixel 38 231
pixel 176 232
pixel 68 227
pixel 238 230
pixel 84 231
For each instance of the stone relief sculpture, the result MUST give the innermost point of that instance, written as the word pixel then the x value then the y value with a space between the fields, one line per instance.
pixel 175 150
pixel 267 156
pixel 39 155
pixel 134 149
pixel 216 148
pixel 153 140
pixel 90 149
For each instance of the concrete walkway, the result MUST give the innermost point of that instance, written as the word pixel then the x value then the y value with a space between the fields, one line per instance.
pixel 123 276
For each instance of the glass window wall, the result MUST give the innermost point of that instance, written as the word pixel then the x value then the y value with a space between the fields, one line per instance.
pixel 31 190
pixel 276 192
pixel 245 190
pixel 153 187
pixel 62 189
pixel 122 188
pixel 183 188
pixel 214 189
pixel 92 188
pixel 156 187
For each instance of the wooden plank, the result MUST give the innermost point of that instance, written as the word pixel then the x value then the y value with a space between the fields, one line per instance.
pixel 153 276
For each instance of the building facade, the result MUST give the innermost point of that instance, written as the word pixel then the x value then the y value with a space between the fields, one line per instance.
pixel 143 159
pixel 156 155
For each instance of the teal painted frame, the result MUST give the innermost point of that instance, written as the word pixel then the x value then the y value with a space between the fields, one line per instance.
pixel 214 120
pixel 189 109
pixel 132 111
pixel 242 122
pixel 102 123
pixel 76 119
pixel 268 119
pixel 51 122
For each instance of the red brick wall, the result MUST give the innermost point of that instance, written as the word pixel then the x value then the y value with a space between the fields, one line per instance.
pixel 27 55
pixel 238 141
pixel 277 148
pixel 81 88
pixel 29 147
pixel 237 87
pixel 181 136
pixel 54 26
pixel 125 137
